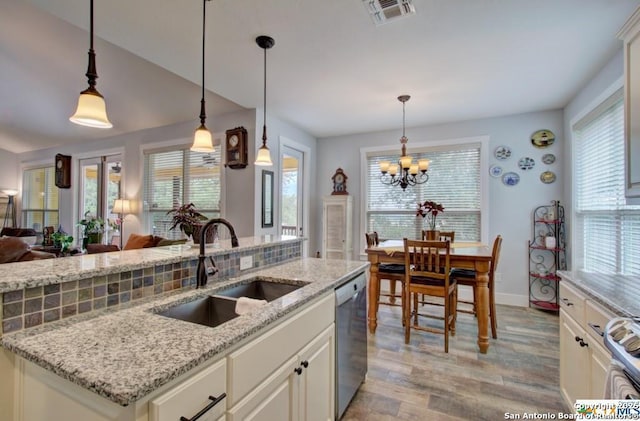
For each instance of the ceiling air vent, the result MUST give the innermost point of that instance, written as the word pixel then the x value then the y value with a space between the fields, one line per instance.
pixel 383 11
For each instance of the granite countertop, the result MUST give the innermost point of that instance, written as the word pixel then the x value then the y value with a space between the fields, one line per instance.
pixel 126 353
pixel 618 293
pixel 35 273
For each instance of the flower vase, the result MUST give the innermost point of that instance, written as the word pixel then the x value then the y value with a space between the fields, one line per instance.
pixel 432 235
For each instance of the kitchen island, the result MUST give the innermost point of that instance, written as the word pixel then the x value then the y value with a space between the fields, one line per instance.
pixel 118 359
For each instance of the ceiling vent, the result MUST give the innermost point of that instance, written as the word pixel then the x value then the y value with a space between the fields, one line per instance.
pixel 383 11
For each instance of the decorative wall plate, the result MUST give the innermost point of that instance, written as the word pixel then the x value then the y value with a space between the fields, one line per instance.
pixel 543 138
pixel 502 152
pixel 548 177
pixel 510 179
pixel 526 163
pixel 548 158
pixel 495 170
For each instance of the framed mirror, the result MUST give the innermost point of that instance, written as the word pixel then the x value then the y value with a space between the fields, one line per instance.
pixel 267 199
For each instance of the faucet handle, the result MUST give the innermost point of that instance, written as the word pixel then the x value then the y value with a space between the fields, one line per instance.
pixel 213 269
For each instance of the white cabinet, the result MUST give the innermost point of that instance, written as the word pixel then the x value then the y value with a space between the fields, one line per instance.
pixel 203 393
pixel 288 373
pixel 630 35
pixel 337 233
pixel 583 357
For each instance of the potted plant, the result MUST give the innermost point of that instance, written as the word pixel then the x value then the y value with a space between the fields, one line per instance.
pixel 188 220
pixel 93 228
pixel 63 241
pixel 429 210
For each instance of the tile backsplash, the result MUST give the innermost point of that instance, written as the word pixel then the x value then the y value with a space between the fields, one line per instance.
pixel 29 307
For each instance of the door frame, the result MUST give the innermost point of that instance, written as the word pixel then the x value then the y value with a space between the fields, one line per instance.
pixel 306 186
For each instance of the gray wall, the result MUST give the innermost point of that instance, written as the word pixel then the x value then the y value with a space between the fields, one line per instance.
pixel 510 208
pixel 9 173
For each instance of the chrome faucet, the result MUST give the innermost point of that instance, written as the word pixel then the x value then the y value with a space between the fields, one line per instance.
pixel 202 272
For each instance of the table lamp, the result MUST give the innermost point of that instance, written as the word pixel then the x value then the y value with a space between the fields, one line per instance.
pixel 121 207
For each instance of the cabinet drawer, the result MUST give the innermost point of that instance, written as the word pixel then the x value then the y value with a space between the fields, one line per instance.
pixel 253 363
pixel 572 302
pixel 596 318
pixel 191 396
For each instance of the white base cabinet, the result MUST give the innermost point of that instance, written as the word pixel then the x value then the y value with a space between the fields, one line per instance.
pixel 286 373
pixel 584 359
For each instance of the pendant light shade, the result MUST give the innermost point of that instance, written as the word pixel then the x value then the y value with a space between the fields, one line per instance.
pixel 263 158
pixel 91 110
pixel 202 140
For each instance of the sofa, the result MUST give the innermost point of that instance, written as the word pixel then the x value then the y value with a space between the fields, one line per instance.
pixel 13 249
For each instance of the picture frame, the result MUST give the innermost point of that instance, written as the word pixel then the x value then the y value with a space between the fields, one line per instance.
pixel 267 199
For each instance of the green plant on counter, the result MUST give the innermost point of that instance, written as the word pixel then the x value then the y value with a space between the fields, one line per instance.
pixel 62 240
pixel 186 217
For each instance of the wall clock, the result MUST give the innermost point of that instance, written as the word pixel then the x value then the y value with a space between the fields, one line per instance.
pixel 236 145
pixel 339 182
pixel 63 171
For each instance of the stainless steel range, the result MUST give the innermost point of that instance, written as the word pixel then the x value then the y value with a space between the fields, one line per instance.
pixel 622 338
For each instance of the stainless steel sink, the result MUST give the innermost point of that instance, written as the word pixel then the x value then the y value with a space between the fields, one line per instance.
pixel 217 309
pixel 260 289
pixel 209 311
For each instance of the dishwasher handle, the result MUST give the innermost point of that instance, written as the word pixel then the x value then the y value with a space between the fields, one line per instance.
pixel 351 288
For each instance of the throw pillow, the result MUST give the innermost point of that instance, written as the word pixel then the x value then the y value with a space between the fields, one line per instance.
pixel 137 241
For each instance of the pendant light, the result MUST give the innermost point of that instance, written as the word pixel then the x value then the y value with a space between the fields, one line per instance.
pixel 91 110
pixel 202 141
pixel 264 156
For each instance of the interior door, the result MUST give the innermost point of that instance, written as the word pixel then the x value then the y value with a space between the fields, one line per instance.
pixel 100 185
pixel 292 185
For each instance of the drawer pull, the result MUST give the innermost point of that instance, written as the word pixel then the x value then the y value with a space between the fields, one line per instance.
pixel 298 370
pixel 581 341
pixel 305 363
pixel 566 302
pixel 596 328
pixel 214 402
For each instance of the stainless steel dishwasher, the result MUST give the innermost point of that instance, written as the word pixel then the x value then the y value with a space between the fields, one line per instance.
pixel 351 343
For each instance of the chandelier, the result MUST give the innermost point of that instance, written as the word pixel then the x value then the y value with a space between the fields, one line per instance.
pixel 405 172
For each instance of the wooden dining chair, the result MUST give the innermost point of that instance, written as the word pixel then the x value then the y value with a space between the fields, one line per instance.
pixel 467 277
pixel 392 272
pixel 427 270
pixel 444 235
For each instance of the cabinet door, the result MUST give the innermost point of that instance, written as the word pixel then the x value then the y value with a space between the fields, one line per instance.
pixel 574 361
pixel 600 360
pixel 336 227
pixel 317 392
pixel 274 399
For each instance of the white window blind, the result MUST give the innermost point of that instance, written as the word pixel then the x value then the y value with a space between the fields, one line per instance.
pixel 40 199
pixel 177 177
pixel 454 182
pixel 608 230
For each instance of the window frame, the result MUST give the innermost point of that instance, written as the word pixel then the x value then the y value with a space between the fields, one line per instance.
pixel 146 212
pixel 484 142
pixel 621 214
pixel 23 211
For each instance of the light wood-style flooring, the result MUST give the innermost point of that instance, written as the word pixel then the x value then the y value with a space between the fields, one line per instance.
pixel 419 381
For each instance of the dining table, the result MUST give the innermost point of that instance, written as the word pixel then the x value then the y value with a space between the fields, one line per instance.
pixel 463 255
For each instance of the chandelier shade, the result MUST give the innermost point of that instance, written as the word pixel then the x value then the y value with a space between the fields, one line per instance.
pixel 91 110
pixel 406 172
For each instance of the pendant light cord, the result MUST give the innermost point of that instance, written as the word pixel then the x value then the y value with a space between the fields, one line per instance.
pixel 403 118
pixel 264 103
pixel 203 113
pixel 91 25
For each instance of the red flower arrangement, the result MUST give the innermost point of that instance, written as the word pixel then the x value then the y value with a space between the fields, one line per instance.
pixel 429 209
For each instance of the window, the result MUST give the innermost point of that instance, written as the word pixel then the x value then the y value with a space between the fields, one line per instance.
pixel 454 181
pixel 39 199
pixel 607 229
pixel 176 177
